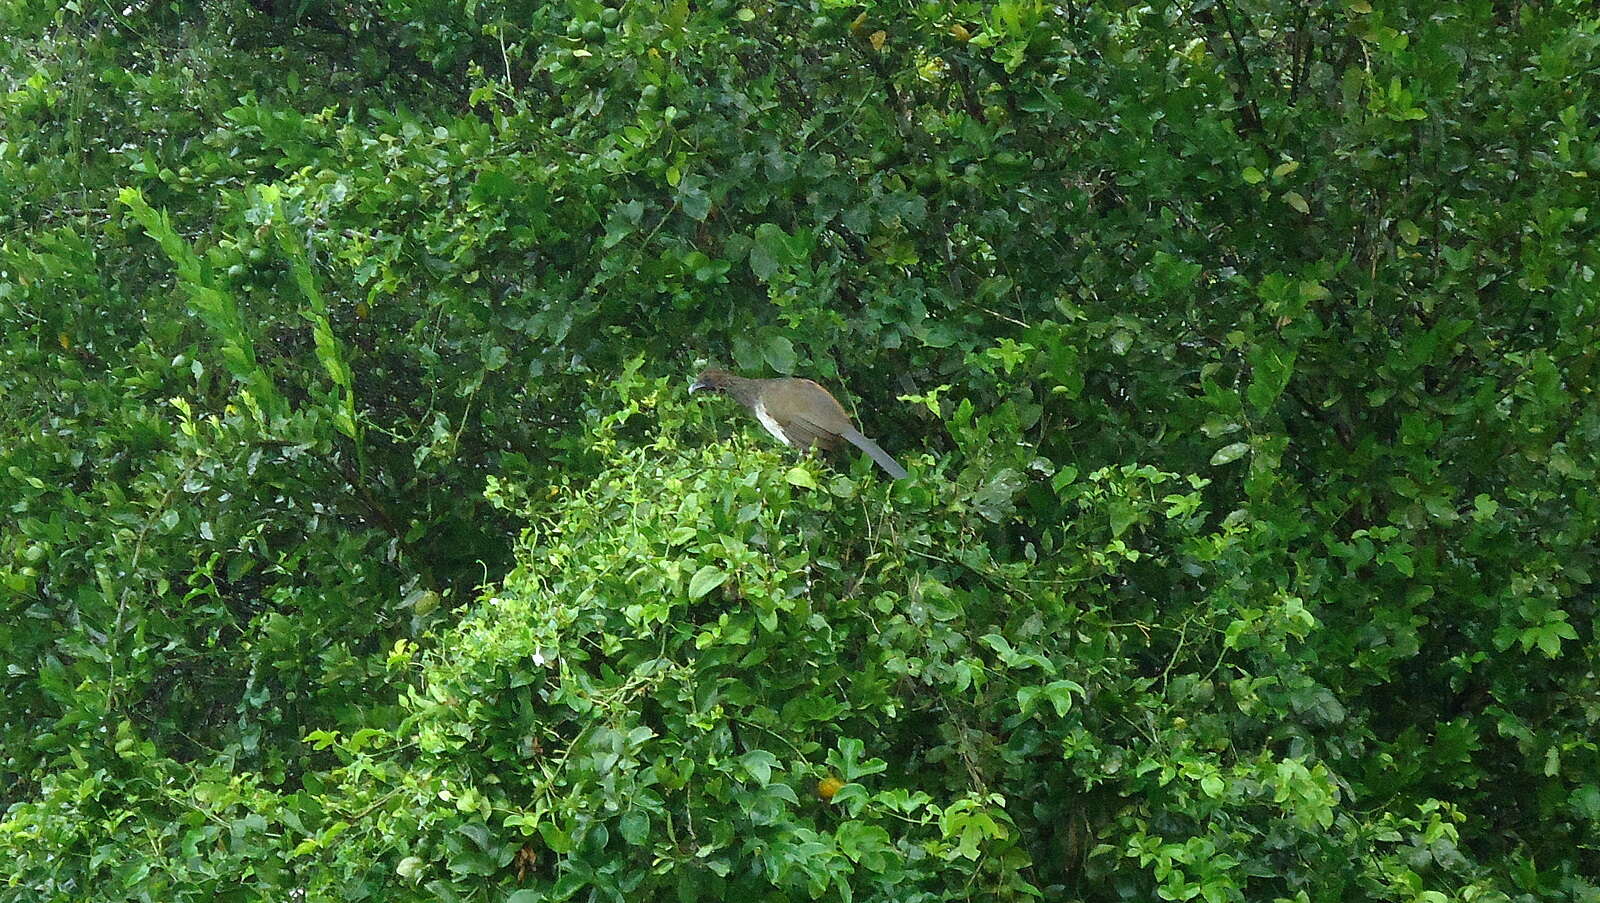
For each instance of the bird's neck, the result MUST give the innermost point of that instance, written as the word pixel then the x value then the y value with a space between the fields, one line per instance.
pixel 744 390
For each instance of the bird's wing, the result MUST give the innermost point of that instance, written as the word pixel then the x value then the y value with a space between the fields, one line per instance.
pixel 879 455
pixel 827 409
pixel 802 433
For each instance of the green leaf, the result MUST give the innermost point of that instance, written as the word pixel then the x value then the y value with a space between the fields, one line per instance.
pixel 759 763
pixel 846 760
pixel 770 251
pixel 861 842
pixel 799 476
pixel 634 826
pixel 705 580
pixel 556 839
pixel 1064 477
pixel 779 354
pixel 1585 801
pixel 1293 199
pixel 1229 453
pixel 493 185
pixel 1485 507
pixel 694 200
pixel 1271 367
pixel 1409 233
pixel 1123 515
pixel 1059 692
pixel 1253 176
pixel 762 262
pixel 623 221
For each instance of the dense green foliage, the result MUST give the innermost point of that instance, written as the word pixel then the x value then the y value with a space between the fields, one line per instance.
pixel 359 538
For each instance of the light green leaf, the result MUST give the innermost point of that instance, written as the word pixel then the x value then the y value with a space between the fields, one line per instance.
pixel 1123 515
pixel 1229 453
pixel 1064 478
pixel 705 580
pixel 1484 507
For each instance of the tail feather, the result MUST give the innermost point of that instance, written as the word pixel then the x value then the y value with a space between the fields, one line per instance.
pixel 877 454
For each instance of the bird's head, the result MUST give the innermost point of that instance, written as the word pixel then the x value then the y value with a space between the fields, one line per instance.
pixel 713 379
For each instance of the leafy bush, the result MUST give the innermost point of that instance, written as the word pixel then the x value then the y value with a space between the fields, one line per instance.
pixel 1243 354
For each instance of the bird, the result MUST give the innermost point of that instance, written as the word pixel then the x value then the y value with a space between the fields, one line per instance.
pixel 800 413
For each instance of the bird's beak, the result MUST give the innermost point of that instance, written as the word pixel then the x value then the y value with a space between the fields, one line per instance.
pixel 698 386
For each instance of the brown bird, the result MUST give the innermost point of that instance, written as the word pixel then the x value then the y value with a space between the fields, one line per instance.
pixel 797 411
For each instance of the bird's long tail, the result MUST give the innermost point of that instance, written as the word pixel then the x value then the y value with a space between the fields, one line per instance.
pixel 877 454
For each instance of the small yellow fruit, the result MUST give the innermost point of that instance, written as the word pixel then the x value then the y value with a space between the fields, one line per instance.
pixel 828 786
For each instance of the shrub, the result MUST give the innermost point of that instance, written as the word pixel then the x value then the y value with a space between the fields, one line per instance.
pixel 1243 354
